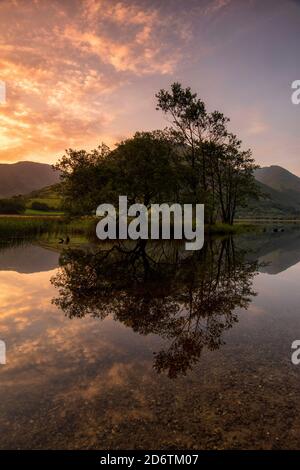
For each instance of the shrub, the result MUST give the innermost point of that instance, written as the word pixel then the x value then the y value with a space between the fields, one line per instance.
pixel 40 206
pixel 14 205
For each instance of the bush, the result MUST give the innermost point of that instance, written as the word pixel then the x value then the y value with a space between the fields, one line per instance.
pixel 40 206
pixel 12 206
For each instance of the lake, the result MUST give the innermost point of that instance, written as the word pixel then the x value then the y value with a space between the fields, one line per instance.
pixel 151 348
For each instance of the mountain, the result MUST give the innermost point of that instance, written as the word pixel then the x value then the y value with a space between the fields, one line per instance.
pixel 281 190
pixel 275 252
pixel 27 259
pixel 278 178
pixel 25 177
pixel 280 187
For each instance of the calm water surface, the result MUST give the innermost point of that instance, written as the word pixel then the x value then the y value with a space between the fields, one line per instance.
pixel 118 351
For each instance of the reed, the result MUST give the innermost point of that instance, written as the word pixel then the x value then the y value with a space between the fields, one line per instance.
pixel 23 226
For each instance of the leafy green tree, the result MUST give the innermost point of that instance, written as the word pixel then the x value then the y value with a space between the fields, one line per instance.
pixel 40 206
pixel 146 168
pixel 193 127
pixel 84 175
pixel 196 160
pixel 219 173
pixel 14 205
pixel 233 177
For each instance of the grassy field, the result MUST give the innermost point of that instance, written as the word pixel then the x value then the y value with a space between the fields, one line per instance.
pixel 54 202
pixel 46 213
pixel 49 196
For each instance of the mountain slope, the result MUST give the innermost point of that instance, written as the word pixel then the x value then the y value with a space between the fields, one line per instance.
pixel 281 190
pixel 278 178
pixel 25 177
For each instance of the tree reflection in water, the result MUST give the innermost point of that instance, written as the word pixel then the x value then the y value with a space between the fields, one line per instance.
pixel 157 288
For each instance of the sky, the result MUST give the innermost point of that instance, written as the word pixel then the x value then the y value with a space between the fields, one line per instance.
pixel 82 72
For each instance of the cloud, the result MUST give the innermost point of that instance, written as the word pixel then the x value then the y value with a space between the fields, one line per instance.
pixel 257 126
pixel 127 37
pixel 79 72
pixel 61 62
pixel 215 6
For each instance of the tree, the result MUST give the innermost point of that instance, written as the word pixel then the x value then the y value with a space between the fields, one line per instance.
pixel 40 206
pixel 146 168
pixel 220 173
pixel 84 175
pixel 233 176
pixel 14 205
pixel 193 127
pixel 196 160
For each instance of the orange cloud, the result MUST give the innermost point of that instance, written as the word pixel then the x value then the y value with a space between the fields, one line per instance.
pixel 63 61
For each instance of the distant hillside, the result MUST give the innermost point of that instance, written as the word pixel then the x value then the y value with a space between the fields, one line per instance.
pixel 25 177
pixel 47 192
pixel 278 178
pixel 282 194
pixel 48 195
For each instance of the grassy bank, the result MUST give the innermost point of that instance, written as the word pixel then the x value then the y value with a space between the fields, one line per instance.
pixel 32 226
pixel 35 225
pixel 46 214
pixel 230 229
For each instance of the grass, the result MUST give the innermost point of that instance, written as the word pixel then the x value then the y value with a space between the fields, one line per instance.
pixel 17 227
pixel 230 229
pixel 52 202
pixel 37 223
pixel 45 213
pixel 33 226
pixel 48 195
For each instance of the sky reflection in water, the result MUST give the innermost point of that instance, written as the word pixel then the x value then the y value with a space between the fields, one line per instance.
pixel 91 382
